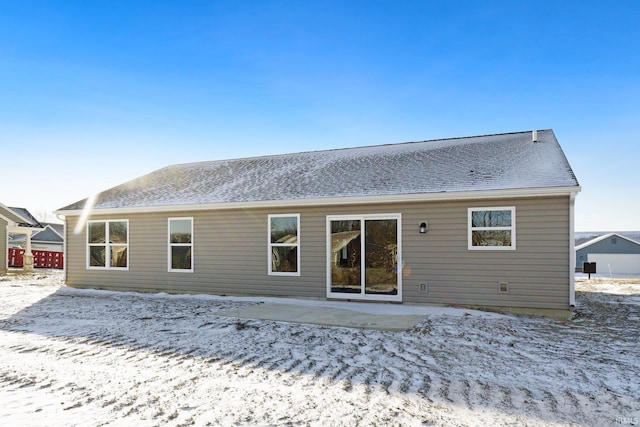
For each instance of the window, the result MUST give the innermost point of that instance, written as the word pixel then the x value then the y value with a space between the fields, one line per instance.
pixel 284 245
pixel 180 244
pixel 492 228
pixel 108 244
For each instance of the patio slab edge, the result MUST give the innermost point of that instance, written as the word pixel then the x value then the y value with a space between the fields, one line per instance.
pixel 324 316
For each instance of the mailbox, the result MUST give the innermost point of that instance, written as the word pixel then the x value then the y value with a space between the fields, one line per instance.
pixel 589 267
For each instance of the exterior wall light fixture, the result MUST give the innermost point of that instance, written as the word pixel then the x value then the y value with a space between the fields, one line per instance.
pixel 423 227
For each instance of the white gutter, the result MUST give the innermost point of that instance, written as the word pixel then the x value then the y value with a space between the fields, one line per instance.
pixel 20 229
pixel 64 253
pixel 405 198
pixel 6 248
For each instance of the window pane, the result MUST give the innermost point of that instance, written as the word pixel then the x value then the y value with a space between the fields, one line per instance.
pixel 345 256
pixel 381 250
pixel 491 238
pixel 284 229
pixel 181 257
pixel 118 232
pixel 284 259
pixel 180 231
pixel 118 256
pixel 491 219
pixel 97 232
pixel 97 256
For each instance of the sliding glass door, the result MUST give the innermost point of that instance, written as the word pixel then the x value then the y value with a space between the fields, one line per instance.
pixel 346 259
pixel 363 257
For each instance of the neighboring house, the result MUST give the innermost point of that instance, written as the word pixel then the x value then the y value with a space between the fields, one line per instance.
pixel 15 221
pixel 49 239
pixel 477 221
pixel 586 236
pixel 613 253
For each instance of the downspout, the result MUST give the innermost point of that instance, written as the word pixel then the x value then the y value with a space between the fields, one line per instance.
pixel 64 248
pixel 572 250
pixel 6 249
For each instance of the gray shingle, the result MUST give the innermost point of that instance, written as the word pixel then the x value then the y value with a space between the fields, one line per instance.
pixel 489 162
pixel 33 222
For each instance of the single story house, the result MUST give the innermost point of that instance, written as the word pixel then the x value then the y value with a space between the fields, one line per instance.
pixel 613 253
pixel 16 221
pixel 477 221
pixel 585 236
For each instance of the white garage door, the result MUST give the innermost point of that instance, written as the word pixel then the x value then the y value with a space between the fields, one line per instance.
pixel 619 263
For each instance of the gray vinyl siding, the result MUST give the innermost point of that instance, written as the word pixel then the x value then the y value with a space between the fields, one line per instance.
pixel 537 271
pixel 3 246
pixel 606 246
pixel 230 254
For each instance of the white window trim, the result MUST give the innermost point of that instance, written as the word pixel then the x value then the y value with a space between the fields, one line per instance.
pixel 107 246
pixel 271 245
pixel 169 245
pixel 399 262
pixel 512 228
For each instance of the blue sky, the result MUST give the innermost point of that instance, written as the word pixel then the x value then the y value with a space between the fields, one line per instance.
pixel 93 94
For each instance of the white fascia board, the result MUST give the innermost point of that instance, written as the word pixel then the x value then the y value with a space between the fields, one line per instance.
pixel 604 237
pixel 594 240
pixel 333 201
pixel 54 231
pixel 10 220
pixel 18 215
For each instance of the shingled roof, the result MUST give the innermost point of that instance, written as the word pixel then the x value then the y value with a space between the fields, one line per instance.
pixel 25 214
pixel 479 163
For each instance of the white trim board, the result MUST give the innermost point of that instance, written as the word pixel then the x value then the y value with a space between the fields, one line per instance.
pixel 363 200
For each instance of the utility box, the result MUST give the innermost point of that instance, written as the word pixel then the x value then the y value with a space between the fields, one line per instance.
pixel 589 267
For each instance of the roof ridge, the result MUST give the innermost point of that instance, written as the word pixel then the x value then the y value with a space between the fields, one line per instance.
pixel 265 156
pixel 480 136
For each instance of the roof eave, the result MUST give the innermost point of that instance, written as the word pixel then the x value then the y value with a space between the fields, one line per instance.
pixel 10 211
pixel 604 237
pixel 423 197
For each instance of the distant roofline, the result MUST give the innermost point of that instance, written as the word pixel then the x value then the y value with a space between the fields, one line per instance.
pixel 31 221
pixel 50 227
pixel 600 233
pixel 17 214
pixel 603 237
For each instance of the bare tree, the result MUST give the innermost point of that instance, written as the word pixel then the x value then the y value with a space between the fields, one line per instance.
pixel 43 215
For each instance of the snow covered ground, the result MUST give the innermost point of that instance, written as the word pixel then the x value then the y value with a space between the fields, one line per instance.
pixel 84 357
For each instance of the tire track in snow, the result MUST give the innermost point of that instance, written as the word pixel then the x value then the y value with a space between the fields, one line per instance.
pixel 420 371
